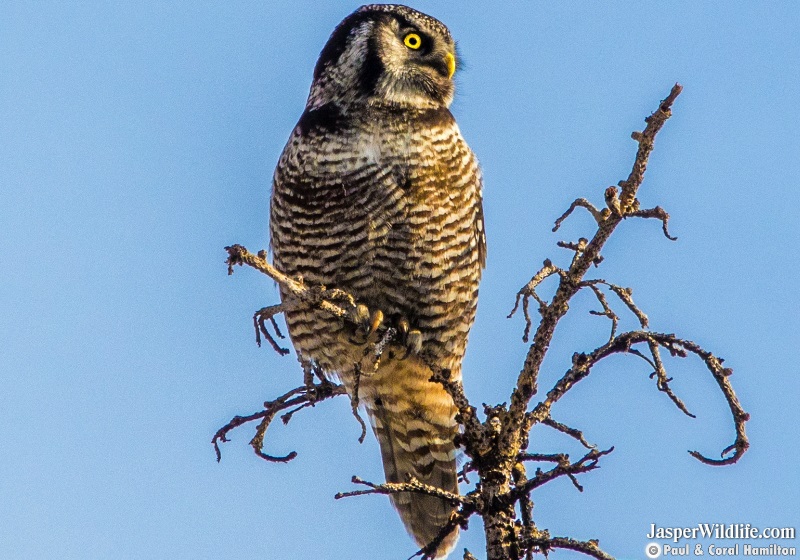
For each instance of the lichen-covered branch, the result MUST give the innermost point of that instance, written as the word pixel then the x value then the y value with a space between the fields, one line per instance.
pixel 413 485
pixel 544 544
pixel 319 296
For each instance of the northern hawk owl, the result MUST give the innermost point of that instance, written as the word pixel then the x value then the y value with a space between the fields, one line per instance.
pixel 378 194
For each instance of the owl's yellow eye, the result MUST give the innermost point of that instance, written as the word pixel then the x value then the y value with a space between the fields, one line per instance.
pixel 412 41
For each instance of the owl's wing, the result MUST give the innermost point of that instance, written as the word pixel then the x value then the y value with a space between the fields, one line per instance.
pixel 480 228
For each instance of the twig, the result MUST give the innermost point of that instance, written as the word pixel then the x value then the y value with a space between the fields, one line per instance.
pixel 586 463
pixel 625 295
pixel 591 548
pixel 260 319
pixel 607 312
pixel 354 401
pixel 413 485
pixel 572 432
pixel 236 421
pixel 646 140
pixel 529 291
pixel 551 458
pixel 583 203
pixel 657 213
pixel 296 399
pixel 662 381
pixel 577 247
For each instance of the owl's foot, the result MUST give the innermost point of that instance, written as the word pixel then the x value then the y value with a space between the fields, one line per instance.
pixel 408 338
pixel 367 323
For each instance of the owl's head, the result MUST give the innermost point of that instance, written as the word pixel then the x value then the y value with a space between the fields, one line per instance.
pixel 385 54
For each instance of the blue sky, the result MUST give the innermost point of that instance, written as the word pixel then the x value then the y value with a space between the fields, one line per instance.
pixel 136 141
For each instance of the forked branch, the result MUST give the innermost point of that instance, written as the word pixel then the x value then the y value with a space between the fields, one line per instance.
pixel 293 401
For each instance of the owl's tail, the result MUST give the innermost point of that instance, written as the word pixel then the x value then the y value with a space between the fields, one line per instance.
pixel 413 420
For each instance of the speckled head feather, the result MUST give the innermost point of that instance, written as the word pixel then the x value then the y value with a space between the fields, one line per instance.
pixel 410 14
pixel 367 60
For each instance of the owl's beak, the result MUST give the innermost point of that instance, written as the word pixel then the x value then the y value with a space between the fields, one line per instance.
pixel 451 64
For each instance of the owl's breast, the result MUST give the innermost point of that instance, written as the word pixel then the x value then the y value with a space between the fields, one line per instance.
pixel 387 208
pixel 334 200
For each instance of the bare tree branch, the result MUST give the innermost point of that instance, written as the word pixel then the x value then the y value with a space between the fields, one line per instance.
pixel 662 381
pixel 260 319
pixel 570 282
pixel 318 296
pixel 625 295
pixel 572 432
pixel 607 311
pixel 583 203
pixel 354 402
pixel 413 485
pixel 543 457
pixel 657 213
pixel 299 397
pixel 621 344
pixel 564 468
pixel 529 291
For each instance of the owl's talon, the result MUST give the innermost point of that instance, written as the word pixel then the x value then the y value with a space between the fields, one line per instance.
pixel 375 321
pixel 407 338
pixel 366 323
pixel 413 343
pixel 402 327
pixel 360 315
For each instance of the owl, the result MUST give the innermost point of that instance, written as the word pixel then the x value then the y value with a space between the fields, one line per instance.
pixel 377 193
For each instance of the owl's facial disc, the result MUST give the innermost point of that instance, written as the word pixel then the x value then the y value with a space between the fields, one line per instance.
pixel 428 52
pixel 418 64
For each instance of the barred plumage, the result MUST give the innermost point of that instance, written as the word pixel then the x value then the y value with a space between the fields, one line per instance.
pixel 377 193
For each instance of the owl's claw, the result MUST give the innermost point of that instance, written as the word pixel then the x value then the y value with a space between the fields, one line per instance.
pixel 410 339
pixel 413 343
pixel 367 323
